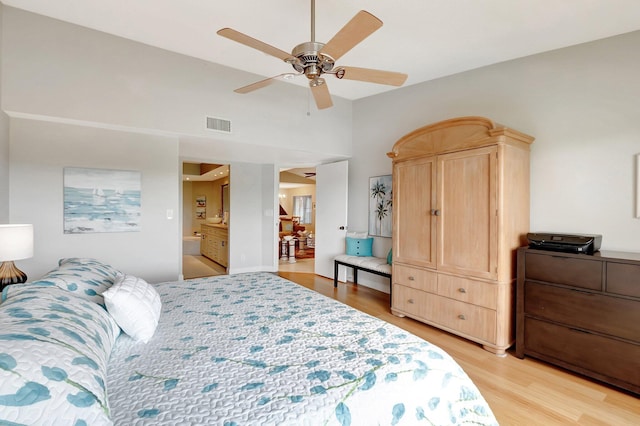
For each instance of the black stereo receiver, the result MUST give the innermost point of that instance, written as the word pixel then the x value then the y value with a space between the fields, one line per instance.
pixel 568 243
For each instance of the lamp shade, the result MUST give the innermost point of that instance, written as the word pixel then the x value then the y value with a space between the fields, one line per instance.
pixel 16 242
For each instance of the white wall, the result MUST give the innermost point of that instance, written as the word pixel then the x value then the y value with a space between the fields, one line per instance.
pixel 270 177
pixel 581 105
pixel 188 209
pixel 4 146
pixel 252 237
pixel 39 153
pixel 4 167
pixel 60 70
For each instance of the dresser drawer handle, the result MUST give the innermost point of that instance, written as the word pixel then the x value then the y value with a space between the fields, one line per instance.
pixel 462 317
pixel 462 290
pixel 411 278
pixel 410 301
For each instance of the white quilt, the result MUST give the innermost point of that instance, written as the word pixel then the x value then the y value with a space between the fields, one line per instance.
pixel 256 349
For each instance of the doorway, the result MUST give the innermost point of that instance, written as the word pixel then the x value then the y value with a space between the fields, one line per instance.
pixel 205 207
pixel 296 231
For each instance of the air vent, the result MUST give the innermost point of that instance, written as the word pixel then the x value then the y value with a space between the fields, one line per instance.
pixel 219 124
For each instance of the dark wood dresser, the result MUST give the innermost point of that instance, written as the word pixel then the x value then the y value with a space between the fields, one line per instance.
pixel 581 312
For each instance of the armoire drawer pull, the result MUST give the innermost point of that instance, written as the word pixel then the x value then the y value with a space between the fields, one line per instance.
pixel 462 290
pixel 410 301
pixel 412 278
pixel 462 317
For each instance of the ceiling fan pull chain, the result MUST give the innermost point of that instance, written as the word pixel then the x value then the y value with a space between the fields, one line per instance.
pixel 313 21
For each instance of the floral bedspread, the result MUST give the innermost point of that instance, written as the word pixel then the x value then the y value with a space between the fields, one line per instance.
pixel 256 349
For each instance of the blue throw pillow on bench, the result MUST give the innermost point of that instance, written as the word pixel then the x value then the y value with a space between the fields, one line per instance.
pixel 359 246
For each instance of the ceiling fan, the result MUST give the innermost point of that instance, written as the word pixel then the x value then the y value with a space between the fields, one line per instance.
pixel 313 59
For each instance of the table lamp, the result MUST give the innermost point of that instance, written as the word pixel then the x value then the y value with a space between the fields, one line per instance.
pixel 16 242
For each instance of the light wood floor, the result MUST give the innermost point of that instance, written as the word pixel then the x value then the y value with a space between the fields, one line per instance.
pixel 194 266
pixel 520 392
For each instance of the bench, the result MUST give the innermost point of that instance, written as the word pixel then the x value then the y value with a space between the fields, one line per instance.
pixel 373 265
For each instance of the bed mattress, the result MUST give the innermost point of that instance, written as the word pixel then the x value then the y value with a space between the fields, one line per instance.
pixel 256 349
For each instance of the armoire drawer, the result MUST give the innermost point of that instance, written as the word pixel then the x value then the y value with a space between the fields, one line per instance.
pixel 413 302
pixel 589 311
pixel 420 279
pixel 623 278
pixel 471 291
pixel 571 271
pixel 596 354
pixel 466 318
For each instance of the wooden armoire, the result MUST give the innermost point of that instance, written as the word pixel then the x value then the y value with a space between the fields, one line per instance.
pixel 460 211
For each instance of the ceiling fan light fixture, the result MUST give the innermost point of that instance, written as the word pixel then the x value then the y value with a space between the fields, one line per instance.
pixel 309 61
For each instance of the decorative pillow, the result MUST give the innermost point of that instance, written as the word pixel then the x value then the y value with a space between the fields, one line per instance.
pixel 54 348
pixel 88 278
pixel 10 290
pixel 357 234
pixel 135 305
pixel 390 256
pixel 359 246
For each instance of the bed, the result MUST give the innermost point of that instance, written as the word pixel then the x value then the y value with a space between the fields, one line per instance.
pixel 244 349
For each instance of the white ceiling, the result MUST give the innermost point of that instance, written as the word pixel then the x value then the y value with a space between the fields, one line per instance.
pixel 426 39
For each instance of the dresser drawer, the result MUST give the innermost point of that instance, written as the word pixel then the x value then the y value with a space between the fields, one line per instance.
pixel 411 301
pixel 598 355
pixel 577 272
pixel 470 291
pixel 415 278
pixel 623 278
pixel 585 310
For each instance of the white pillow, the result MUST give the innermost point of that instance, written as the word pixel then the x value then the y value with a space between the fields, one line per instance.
pixel 135 305
pixel 357 234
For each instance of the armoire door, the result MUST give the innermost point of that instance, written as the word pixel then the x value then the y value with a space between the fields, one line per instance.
pixel 467 203
pixel 414 184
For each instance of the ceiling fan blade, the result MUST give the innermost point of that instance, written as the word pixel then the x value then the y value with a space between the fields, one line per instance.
pixel 372 76
pixel 357 29
pixel 262 83
pixel 321 94
pixel 234 35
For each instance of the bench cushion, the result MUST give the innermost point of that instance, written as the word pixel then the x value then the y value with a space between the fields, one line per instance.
pixel 374 263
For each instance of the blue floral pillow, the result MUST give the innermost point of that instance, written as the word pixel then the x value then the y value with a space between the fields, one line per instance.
pixel 88 278
pixel 54 348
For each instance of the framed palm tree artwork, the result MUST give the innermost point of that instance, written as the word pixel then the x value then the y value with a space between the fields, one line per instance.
pixel 380 204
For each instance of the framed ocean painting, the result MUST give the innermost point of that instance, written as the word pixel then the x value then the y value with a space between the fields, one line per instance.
pixel 101 200
pixel 380 206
